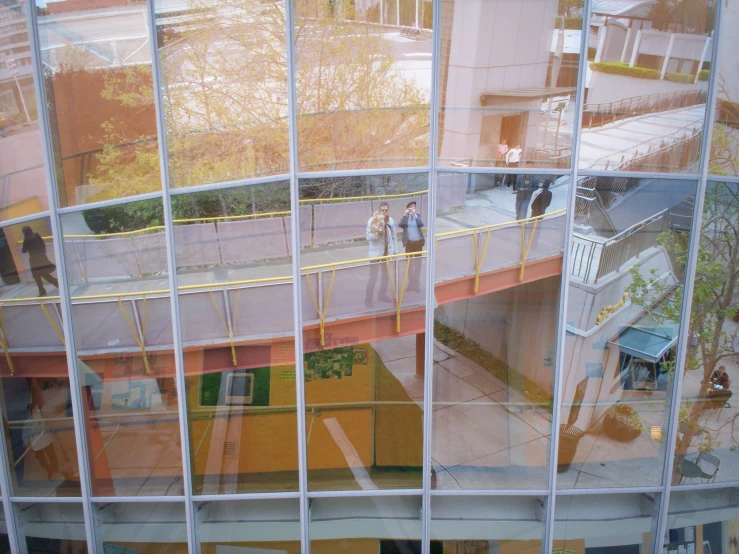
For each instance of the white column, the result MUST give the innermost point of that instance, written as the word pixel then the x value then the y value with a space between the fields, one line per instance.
pixel 382 7
pixel 625 51
pixel 635 50
pixel 667 55
pixel 397 12
pixel 706 45
pixel 601 43
pixel 417 27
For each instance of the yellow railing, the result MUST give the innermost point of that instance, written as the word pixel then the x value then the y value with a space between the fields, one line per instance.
pixel 480 253
pixel 398 291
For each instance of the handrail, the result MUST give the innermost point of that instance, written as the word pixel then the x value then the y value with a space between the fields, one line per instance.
pixel 374 197
pixel 495 225
pixel 279 278
pixel 235 217
pixel 661 139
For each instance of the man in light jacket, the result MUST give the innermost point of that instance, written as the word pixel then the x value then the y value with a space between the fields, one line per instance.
pixel 382 242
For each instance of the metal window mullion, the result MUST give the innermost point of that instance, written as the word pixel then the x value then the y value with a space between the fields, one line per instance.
pixel 360 172
pixel 12 524
pixel 109 202
pixel 190 516
pixel 225 185
pixel 565 284
pixel 637 174
pixel 75 389
pixel 23 219
pixel 292 121
pixel 428 369
pixel 692 262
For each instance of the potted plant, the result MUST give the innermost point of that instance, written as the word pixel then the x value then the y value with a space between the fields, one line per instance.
pixel 622 423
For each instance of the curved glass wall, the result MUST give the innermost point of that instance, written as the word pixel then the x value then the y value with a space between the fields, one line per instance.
pixel 214 325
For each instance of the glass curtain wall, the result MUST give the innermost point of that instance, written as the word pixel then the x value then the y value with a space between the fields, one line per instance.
pixel 215 326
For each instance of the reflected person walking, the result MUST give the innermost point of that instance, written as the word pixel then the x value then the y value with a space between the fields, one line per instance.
pixel 41 266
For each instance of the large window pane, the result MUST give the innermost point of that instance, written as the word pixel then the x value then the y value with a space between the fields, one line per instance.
pixel 362 90
pixel 647 82
pixel 142 527
pixel 4 540
pixel 366 525
pixel 725 141
pixel 624 309
pixel 22 179
pixel 508 79
pixel 98 81
pixel 706 441
pixel 363 330
pixel 497 282
pixel 249 526
pixel 34 391
pixel 224 70
pixel 705 521
pixel 52 528
pixel 234 264
pixel 116 266
pixel 480 525
pixel 617 523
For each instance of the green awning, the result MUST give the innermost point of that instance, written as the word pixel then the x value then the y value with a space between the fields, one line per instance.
pixel 647 338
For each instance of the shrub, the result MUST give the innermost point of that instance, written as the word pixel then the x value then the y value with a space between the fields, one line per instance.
pixel 704 74
pixel 618 68
pixel 680 77
pixel 626 415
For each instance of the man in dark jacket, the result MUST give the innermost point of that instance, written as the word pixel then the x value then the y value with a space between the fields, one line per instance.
pixel 525 187
pixel 40 264
pixel 413 241
pixel 542 200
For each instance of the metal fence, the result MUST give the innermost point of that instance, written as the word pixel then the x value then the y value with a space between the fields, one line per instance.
pixel 596 115
pixel 593 258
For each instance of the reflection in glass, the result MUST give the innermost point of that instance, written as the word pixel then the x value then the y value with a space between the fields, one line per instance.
pixel 508 78
pixel 145 528
pixel 480 525
pixel 648 66
pixel 362 91
pixel 386 525
pixel 98 81
pixel 724 159
pixel 613 523
pixel 624 309
pixel 52 528
pixel 363 329
pixel 249 526
pixel 707 440
pixel 234 264
pixel 22 179
pixel 4 540
pixel 498 274
pixel 42 452
pixel 116 267
pixel 707 521
pixel 225 72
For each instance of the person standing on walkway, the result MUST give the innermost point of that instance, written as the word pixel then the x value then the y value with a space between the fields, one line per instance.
pixel 382 239
pixel 525 185
pixel 513 159
pixel 541 199
pixel 413 241
pixel 41 266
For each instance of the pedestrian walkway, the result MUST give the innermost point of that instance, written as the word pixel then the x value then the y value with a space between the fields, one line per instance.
pixel 599 144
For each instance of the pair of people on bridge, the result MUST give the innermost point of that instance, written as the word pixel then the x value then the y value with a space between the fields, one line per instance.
pixel 382 237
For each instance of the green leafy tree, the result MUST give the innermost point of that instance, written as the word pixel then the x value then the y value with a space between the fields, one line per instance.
pixel 714 304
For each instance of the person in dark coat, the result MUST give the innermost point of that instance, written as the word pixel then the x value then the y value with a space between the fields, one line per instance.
pixel 525 187
pixel 41 266
pixel 542 200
